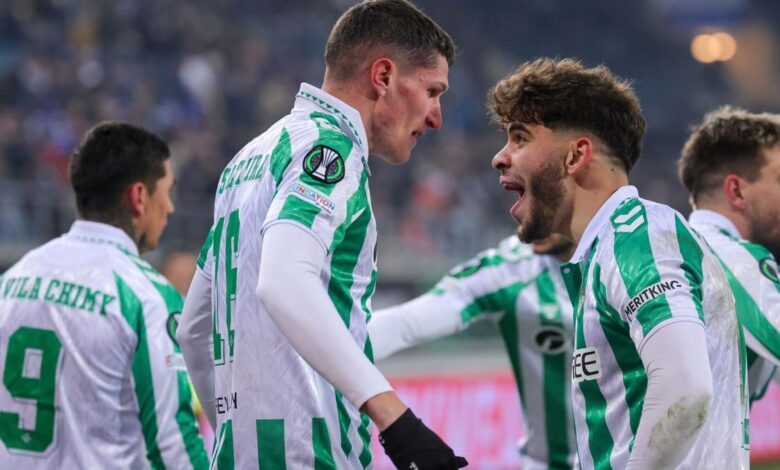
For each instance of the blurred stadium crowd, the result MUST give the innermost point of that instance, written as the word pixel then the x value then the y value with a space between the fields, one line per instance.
pixel 210 75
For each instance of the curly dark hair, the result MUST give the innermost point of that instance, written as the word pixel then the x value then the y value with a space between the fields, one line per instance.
pixel 728 140
pixel 564 95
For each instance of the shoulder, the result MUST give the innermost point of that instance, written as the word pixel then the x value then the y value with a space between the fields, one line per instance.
pixel 639 228
pixel 640 216
pixel 511 257
pixel 151 288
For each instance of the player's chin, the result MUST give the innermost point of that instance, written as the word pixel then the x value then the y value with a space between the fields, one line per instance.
pixel 398 157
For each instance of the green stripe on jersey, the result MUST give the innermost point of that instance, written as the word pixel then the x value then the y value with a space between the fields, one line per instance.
pixel 204 251
pixel 624 350
pixel 486 259
pixel 634 257
pixel 554 372
pixel 132 311
pixel 346 247
pixel 281 156
pixel 270 444
pixel 600 441
pixel 367 297
pixel 224 458
pixel 692 263
pixel 344 422
pixel 323 454
pixel 365 437
pixel 185 419
pixel 503 300
pixel 497 301
pixel 759 253
pixel 751 317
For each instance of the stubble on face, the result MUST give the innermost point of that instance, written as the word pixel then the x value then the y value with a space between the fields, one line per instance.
pixel 765 227
pixel 546 189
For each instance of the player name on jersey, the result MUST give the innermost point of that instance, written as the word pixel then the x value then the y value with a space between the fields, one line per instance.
pixel 250 169
pixel 57 291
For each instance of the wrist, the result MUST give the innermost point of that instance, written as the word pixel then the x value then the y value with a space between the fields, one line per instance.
pixel 383 409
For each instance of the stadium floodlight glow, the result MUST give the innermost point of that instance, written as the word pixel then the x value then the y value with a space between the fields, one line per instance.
pixel 713 47
pixel 704 48
pixel 728 45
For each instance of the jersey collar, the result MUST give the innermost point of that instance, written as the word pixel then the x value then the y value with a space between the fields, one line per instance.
pixel 601 218
pixel 98 232
pixel 311 97
pixel 708 217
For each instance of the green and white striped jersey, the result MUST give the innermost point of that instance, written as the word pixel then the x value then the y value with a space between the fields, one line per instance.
pixel 91 375
pixel 525 294
pixel 309 169
pixel 637 268
pixel 752 272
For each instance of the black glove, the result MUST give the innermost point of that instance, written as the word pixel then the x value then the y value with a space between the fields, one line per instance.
pixel 411 445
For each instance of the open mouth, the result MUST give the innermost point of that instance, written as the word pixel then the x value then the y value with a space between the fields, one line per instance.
pixel 517 187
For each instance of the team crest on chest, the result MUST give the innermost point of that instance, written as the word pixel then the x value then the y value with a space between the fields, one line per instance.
pixel 324 164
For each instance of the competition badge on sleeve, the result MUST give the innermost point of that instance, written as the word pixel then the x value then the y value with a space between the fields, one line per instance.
pixel 324 164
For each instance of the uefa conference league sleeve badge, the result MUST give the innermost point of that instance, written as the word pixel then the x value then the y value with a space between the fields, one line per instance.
pixel 324 164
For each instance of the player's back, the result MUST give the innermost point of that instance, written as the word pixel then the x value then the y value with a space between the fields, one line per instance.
pixel 66 353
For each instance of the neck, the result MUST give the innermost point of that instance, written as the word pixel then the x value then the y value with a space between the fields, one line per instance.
pixel 565 255
pixel 723 209
pixel 352 95
pixel 591 191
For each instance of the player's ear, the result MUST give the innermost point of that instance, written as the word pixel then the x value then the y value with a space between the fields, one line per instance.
pixel 137 198
pixel 733 187
pixel 579 155
pixel 380 74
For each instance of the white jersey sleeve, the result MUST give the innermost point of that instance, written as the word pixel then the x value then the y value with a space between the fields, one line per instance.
pixel 471 291
pixel 678 379
pixel 289 286
pixel 195 338
pixel 417 321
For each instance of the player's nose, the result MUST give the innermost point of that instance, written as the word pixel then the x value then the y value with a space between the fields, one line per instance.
pixel 500 160
pixel 434 119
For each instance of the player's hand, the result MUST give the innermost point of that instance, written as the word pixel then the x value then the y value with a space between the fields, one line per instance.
pixel 411 445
